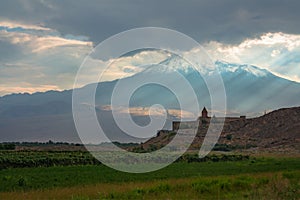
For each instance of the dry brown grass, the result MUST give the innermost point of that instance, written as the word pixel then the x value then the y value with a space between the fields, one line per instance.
pixel 90 191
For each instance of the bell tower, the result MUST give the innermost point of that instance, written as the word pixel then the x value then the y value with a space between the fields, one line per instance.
pixel 204 113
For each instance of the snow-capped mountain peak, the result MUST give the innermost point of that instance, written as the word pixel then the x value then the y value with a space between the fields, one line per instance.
pixel 224 67
pixel 175 63
pixel 171 64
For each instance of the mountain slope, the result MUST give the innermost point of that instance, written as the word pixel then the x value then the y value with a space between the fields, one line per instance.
pixel 250 90
pixel 275 128
pixel 276 131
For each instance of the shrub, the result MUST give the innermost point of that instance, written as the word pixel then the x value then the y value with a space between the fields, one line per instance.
pixel 22 181
pixel 229 137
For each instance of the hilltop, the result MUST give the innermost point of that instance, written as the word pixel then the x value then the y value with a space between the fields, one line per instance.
pixel 277 131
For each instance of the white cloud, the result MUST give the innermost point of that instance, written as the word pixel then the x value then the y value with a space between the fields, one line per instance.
pixel 44 43
pixel 46 59
pixel 153 111
pixel 272 51
pixel 275 53
pixel 13 24
pixel 37 43
pixel 95 70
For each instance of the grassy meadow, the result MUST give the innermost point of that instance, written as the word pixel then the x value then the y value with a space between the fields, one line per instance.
pixel 250 178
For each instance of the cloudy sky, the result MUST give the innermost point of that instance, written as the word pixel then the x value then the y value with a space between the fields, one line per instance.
pixel 43 43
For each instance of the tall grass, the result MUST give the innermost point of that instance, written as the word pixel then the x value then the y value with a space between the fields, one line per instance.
pixel 24 179
pixel 278 185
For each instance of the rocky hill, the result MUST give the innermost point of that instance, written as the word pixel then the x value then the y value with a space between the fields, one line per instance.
pixel 277 131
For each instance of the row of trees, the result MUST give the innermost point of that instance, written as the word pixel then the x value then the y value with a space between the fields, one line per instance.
pixel 7 146
pixel 20 159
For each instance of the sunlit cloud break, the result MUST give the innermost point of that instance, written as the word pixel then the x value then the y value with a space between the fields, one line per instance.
pixel 53 58
pixel 276 52
pixel 37 38
pixel 14 25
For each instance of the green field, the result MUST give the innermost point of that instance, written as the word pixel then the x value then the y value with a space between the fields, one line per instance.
pixel 210 179
pixel 21 159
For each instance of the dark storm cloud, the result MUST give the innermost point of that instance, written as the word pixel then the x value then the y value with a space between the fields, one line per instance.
pixel 227 21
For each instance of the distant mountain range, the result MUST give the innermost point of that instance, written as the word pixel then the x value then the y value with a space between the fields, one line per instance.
pixel 48 115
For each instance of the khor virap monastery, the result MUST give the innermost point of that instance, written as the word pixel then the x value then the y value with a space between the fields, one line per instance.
pixel 204 120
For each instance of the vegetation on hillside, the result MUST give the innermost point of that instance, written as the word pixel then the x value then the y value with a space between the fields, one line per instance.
pixel 21 159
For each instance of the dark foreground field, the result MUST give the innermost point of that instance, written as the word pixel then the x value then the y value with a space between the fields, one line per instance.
pixel 242 178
